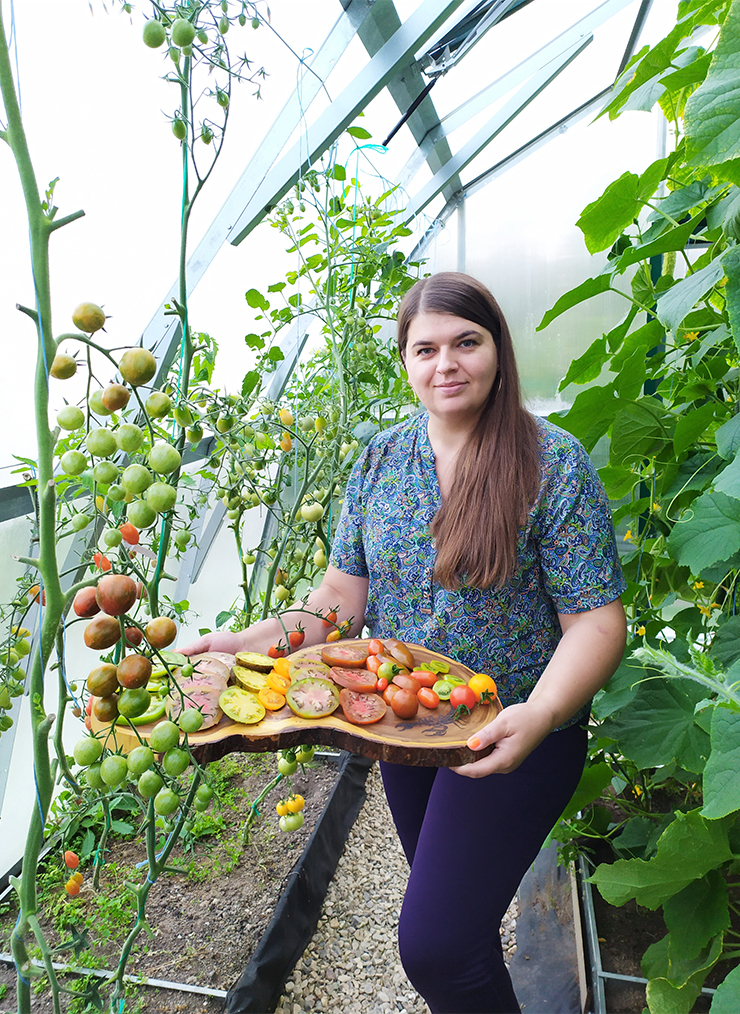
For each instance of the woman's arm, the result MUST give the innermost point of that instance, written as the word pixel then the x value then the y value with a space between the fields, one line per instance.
pixel 336 589
pixel 589 651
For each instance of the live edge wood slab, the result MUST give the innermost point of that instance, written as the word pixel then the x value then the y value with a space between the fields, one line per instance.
pixel 434 738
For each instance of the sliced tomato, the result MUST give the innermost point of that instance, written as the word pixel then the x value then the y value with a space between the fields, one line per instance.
pixel 424 677
pixel 302 668
pixel 359 680
pixel 360 708
pixel 273 700
pixel 313 697
pixel 407 681
pixel 241 706
pixel 346 655
pixel 375 646
pixel 276 681
pixel 400 652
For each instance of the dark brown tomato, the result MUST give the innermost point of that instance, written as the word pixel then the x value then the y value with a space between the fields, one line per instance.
pixel 361 708
pixel 102 680
pixel 347 656
pixel 405 704
pixel 134 636
pixel 134 671
pixel 407 682
pixel 116 594
pixel 105 709
pixel 102 632
pixel 84 603
pixel 400 652
pixel 359 680
pixel 385 656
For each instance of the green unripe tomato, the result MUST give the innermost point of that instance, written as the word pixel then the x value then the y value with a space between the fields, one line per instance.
pixel 287 767
pixel 73 462
pixel 149 784
pixel 175 761
pixel 141 514
pixel 312 512
pixel 136 478
pixel 223 27
pixel 190 720
pixel 116 493
pixel 93 777
pixel 182 32
pixel 166 802
pixel 129 437
pixel 183 415
pixel 154 34
pixel 203 37
pixel 105 472
pixel 101 443
pixel 70 417
pixel 161 497
pixel 179 129
pixel 319 558
pixel 95 401
pixel 282 594
pixel 113 769
pixel 306 423
pixel 79 521
pixel 164 458
pixel 182 538
pixel 165 735
pixel 86 751
pixel 194 434
pixel 112 538
pixel 139 760
pixel 249 558
pixel 224 423
pixel 158 405
pixel 304 754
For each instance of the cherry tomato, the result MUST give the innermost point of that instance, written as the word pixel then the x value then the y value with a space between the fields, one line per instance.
pixel 390 692
pixel 296 637
pixel 373 663
pixel 334 635
pixel 282 807
pixel 304 754
pixel 277 650
pixel 287 766
pixel 381 685
pixel 428 698
pixel 408 682
pixel 331 618
pixel 375 646
pixel 388 670
pixel 463 696
pixel 295 803
pixel 405 704
pixel 400 652
pixel 72 860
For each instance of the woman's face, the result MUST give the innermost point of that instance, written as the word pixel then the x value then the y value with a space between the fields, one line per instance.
pixel 452 365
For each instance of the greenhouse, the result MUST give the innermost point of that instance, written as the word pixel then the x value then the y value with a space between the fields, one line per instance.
pixel 370 460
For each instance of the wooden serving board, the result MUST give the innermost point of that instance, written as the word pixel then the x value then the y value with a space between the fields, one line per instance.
pixel 432 739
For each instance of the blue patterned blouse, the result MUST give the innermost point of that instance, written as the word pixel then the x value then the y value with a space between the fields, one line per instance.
pixel 567 558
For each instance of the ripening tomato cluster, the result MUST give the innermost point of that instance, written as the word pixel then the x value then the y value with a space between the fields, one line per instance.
pixel 76 878
pixel 289 811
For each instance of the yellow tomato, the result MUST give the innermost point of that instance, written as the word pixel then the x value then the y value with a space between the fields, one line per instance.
pixel 281 665
pixel 282 808
pixel 278 681
pixel 271 699
pixel 295 803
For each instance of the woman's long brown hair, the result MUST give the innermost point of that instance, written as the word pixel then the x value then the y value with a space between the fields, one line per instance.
pixel 497 473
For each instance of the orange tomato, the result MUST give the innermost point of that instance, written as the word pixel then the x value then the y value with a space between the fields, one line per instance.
pixel 334 635
pixel 271 699
pixel 480 683
pixel 373 663
pixel 375 646
pixel 277 681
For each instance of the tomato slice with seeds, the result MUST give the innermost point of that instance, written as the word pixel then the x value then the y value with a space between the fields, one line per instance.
pixel 313 697
pixel 346 655
pixel 276 681
pixel 360 708
pixel 359 680
pixel 271 699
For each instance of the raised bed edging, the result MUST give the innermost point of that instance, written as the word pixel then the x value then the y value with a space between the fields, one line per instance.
pixel 297 912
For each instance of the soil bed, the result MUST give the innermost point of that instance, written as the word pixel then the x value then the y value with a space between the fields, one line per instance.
pixel 205 922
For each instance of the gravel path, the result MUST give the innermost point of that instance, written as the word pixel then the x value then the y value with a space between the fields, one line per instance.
pixel 351 965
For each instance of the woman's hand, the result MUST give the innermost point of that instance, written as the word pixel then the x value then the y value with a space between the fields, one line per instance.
pixel 516 731
pixel 224 640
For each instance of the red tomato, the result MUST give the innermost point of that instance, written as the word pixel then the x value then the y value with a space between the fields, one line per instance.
pixel 428 698
pixel 296 637
pixel 362 709
pixel 463 695
pixel 405 704
pixel 130 534
pixel 375 646
pixel 408 682
pixel 425 678
pixel 381 685
pixel 331 618
pixel 277 650
pixel 359 680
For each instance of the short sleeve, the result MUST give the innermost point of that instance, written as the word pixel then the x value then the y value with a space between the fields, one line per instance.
pixel 348 550
pixel 575 532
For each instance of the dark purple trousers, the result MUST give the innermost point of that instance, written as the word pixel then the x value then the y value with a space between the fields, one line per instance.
pixel 469 842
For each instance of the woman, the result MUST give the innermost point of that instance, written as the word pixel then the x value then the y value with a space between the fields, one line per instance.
pixel 484 534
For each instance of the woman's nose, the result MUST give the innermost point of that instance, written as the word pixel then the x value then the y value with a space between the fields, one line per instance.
pixel 446 361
